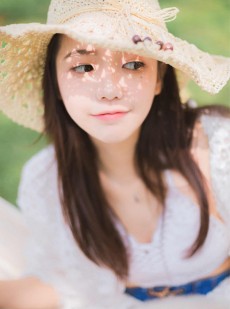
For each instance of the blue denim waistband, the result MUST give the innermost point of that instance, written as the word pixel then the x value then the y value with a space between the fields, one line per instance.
pixel 202 286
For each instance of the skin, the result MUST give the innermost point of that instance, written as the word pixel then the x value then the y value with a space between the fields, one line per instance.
pixel 27 293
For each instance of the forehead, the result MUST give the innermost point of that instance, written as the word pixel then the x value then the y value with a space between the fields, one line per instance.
pixel 71 47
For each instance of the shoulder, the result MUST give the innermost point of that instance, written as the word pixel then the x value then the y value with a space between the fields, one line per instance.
pixel 211 145
pixel 216 124
pixel 212 131
pixel 215 129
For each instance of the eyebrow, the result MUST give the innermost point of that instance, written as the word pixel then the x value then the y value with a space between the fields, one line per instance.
pixel 80 52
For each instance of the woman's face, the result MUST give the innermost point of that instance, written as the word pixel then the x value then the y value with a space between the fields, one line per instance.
pixel 108 94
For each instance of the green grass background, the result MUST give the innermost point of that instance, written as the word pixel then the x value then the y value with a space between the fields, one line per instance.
pixel 204 23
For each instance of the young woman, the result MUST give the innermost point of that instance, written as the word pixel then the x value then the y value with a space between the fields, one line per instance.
pixel 130 202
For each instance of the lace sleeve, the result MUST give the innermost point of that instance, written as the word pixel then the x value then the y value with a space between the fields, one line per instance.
pixel 52 255
pixel 217 129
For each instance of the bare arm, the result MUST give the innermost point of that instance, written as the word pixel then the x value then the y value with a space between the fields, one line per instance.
pixel 27 293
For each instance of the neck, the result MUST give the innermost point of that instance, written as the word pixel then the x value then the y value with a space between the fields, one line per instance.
pixel 116 160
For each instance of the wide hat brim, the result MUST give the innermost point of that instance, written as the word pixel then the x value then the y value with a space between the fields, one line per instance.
pixel 23 51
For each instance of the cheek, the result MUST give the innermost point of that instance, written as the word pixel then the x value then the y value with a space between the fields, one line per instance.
pixel 67 85
pixel 143 89
pixel 74 92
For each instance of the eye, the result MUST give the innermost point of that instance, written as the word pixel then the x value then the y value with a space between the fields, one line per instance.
pixel 133 65
pixel 83 68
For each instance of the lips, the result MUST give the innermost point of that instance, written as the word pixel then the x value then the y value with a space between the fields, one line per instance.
pixel 110 115
pixel 110 112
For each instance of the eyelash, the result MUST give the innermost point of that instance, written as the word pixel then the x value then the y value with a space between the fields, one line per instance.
pixel 137 66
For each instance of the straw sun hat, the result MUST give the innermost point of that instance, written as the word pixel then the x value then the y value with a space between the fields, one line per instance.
pixel 136 26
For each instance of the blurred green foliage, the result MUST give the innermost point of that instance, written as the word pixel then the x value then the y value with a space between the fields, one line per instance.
pixel 207 25
pixel 17 146
pixel 204 23
pixel 23 11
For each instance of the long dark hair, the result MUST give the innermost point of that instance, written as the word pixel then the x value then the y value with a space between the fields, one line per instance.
pixel 168 129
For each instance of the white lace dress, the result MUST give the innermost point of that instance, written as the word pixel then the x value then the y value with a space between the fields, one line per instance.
pixel 52 254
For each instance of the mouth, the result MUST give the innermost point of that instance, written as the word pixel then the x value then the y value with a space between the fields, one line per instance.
pixel 113 115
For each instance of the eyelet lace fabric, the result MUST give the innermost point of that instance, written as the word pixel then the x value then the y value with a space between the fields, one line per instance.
pixel 52 254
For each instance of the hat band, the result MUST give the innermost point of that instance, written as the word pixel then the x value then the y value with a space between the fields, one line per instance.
pixel 157 17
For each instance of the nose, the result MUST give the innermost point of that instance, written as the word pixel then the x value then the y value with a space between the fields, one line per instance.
pixel 109 88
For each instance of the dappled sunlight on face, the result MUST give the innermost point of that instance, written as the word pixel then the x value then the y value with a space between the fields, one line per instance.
pixel 107 93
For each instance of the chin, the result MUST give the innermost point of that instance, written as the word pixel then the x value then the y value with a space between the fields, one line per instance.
pixel 112 139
